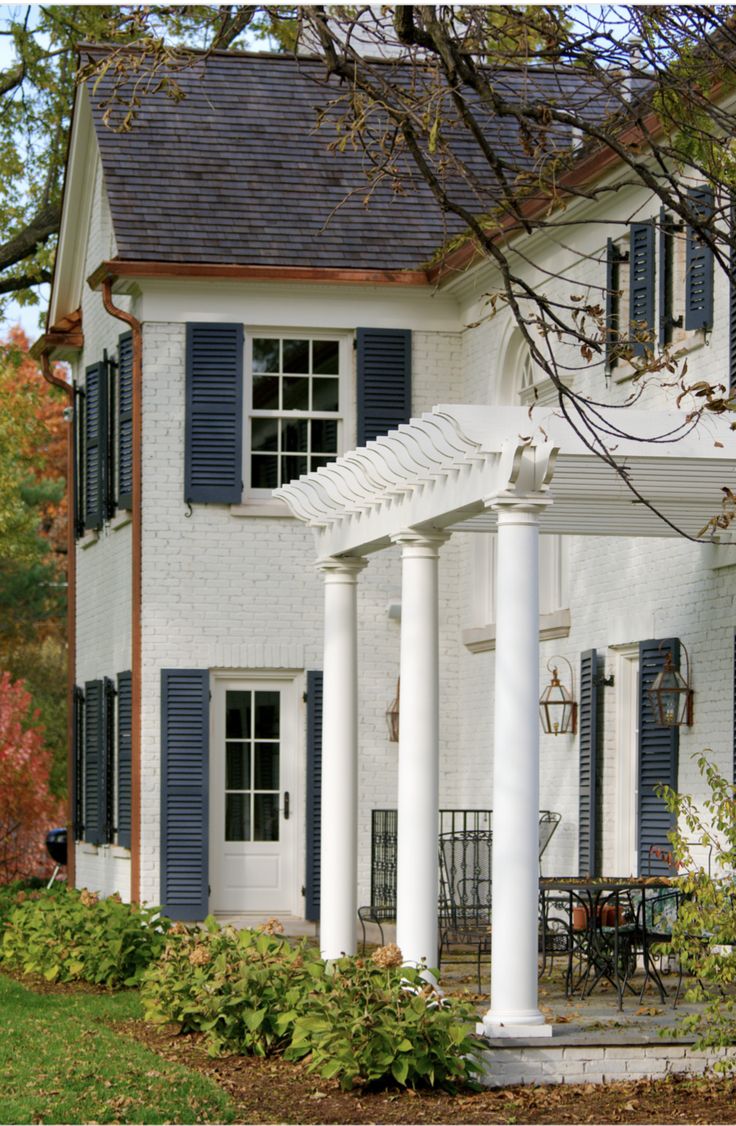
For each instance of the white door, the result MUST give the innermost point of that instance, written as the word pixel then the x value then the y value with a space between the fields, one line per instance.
pixel 252 803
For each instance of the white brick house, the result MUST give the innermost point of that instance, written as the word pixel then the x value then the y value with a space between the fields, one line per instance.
pixel 253 350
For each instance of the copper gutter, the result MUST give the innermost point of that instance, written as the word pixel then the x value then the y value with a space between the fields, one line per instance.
pixel 327 275
pixel 71 606
pixel 136 589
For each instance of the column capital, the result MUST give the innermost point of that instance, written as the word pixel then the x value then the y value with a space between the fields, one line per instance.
pixel 341 568
pixel 526 508
pixel 424 542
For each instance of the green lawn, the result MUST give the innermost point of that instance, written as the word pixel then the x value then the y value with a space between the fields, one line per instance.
pixel 60 1062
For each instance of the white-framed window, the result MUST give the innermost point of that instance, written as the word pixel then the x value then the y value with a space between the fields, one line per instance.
pixel 553 595
pixel 298 404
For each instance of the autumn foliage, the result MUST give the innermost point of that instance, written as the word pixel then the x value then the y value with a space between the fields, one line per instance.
pixel 27 808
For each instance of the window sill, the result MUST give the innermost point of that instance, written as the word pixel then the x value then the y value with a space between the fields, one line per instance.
pixel 721 553
pixel 482 639
pixel 270 508
pixel 87 540
pixel 121 519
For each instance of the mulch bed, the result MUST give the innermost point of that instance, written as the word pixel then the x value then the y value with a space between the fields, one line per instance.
pixel 273 1090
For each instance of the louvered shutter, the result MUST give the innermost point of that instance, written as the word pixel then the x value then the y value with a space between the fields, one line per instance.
pixel 588 747
pixel 124 724
pixel 79 461
pixel 658 753
pixel 612 306
pixel 384 381
pixel 94 734
pixel 213 458
pixel 314 793
pixel 699 265
pixel 184 792
pixel 107 787
pixel 125 420
pixel 95 445
pixel 641 287
pixel 78 764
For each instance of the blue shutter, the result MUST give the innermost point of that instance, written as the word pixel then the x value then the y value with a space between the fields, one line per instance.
pixel 107 787
pixel 699 264
pixel 658 753
pixel 588 748
pixel 384 381
pixel 641 287
pixel 78 764
pixel 79 462
pixel 612 327
pixel 314 793
pixel 125 420
pixel 213 457
pixel 94 727
pixel 95 445
pixel 125 721
pixel 185 725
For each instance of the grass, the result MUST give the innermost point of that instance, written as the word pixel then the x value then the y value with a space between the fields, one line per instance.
pixel 61 1062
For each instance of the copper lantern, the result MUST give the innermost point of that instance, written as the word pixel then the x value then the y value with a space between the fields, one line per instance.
pixel 557 708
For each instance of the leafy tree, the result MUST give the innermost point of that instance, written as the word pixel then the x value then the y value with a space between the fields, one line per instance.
pixel 27 808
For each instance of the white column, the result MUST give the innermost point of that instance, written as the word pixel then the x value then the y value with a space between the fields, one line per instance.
pixel 339 850
pixel 418 787
pixel 514 1000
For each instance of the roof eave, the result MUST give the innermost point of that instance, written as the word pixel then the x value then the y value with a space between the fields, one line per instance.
pixel 142 270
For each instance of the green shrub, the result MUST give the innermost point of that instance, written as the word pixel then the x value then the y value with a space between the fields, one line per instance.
pixel 370 1023
pixel 14 893
pixel 69 935
pixel 235 986
pixel 355 1020
pixel 704 934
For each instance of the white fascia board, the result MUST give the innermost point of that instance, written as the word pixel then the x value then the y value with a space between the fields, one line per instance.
pixel 309 305
pixel 66 293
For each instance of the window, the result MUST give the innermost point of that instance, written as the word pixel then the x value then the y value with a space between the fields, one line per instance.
pixel 296 405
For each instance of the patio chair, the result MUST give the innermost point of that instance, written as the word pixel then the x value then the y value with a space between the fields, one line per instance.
pixel 465 897
pixel 548 822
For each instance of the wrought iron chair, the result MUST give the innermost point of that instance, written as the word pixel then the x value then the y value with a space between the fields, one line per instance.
pixel 465 896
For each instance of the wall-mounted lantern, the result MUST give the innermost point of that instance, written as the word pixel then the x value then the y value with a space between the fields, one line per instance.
pixel 392 715
pixel 671 696
pixel 557 707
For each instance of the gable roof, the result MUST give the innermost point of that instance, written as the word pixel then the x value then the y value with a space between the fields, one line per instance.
pixel 238 172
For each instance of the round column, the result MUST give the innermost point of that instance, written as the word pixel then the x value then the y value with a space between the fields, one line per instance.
pixel 418 784
pixel 339 852
pixel 515 889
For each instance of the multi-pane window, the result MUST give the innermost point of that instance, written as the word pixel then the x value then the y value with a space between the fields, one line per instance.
pixel 295 409
pixel 252 752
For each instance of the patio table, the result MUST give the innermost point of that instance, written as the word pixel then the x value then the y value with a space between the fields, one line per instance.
pixel 604 926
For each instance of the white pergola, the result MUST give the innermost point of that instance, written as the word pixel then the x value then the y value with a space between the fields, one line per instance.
pixel 474 468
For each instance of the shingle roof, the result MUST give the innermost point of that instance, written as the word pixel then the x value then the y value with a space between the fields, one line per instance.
pixel 238 172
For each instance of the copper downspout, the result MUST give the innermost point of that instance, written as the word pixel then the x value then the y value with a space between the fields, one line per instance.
pixel 136 590
pixel 71 610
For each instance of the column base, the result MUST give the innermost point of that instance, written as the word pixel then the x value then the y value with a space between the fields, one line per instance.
pixel 516 1025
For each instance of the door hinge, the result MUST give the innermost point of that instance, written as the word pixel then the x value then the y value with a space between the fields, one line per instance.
pixel 304 891
pixel 305 696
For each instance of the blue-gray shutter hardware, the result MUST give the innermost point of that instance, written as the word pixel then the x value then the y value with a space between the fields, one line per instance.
pixel 213 447
pixel 384 381
pixel 699 264
pixel 614 258
pixel 658 757
pixel 124 725
pixel 641 287
pixel 95 445
pixel 94 733
pixel 185 724
pixel 588 765
pixel 666 230
pixel 125 420
pixel 314 793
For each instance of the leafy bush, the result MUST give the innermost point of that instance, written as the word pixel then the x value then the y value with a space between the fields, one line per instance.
pixel 235 986
pixel 69 935
pixel 355 1020
pixel 15 892
pixel 704 934
pixel 369 1023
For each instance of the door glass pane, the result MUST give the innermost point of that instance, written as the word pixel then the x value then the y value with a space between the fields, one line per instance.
pixel 237 766
pixel 237 817
pixel 266 767
pixel 265 817
pixel 267 715
pixel 237 724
